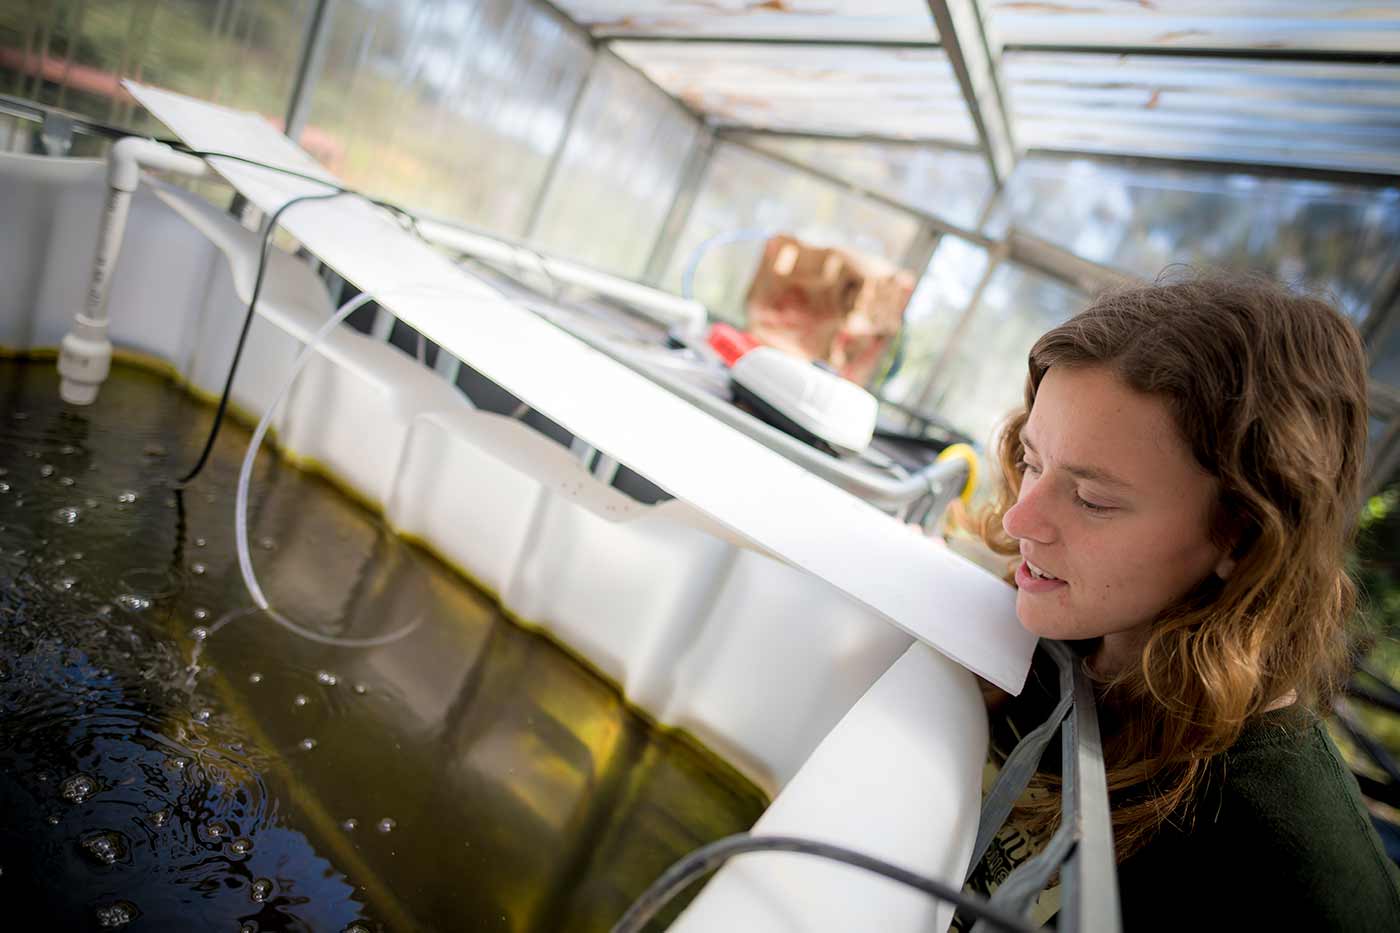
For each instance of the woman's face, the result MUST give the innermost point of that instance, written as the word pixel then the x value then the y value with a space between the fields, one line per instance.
pixel 1113 515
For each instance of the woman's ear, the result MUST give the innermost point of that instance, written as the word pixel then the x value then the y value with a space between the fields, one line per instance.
pixel 1225 567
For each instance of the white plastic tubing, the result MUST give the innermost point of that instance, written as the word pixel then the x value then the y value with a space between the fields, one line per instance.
pixel 245 476
pixel 85 355
pixel 686 315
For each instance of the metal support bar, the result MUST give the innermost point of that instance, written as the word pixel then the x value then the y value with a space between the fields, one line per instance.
pixel 309 59
pixel 532 223
pixel 935 380
pixel 692 180
pixel 1234 52
pixel 905 142
pixel 1043 256
pixel 937 223
pixel 976 68
pixel 776 41
pixel 919 253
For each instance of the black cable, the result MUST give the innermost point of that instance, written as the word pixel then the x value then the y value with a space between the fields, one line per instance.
pixel 709 857
pixel 263 250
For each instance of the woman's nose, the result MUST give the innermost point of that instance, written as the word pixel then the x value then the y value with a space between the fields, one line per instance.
pixel 1028 518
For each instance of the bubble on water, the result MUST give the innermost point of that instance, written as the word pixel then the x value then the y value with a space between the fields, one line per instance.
pixel 65 584
pixel 126 496
pixel 68 515
pixel 67 450
pixel 90 503
pixel 200 542
pixel 106 847
pixel 199 633
pixel 203 715
pixel 46 470
pixel 179 763
pixel 299 700
pixel 66 481
pixel 356 927
pixel 267 544
pixel 160 818
pixel 76 555
pixel 255 678
pixel 215 830
pixel 241 846
pixel 201 614
pixel 261 890
pixel 117 915
pixel 249 927
pixel 306 745
pixel 4 486
pixel 77 788
pixel 327 678
pixel 133 603
pixel 197 569
pixel 350 824
pixel 52 819
pixel 361 689
pixel 386 825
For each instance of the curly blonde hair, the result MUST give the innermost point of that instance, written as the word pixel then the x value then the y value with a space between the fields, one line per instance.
pixel 1268 390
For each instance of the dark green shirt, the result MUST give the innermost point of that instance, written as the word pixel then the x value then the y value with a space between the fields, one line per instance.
pixel 1280 838
pixel 1282 842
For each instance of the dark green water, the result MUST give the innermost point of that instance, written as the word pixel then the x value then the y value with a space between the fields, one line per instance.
pixel 471 776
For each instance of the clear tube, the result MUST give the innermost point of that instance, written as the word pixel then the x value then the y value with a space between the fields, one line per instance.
pixel 245 475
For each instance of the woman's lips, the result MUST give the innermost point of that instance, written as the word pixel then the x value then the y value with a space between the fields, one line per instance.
pixel 1029 583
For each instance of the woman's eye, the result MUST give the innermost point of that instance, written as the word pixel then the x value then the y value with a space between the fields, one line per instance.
pixel 1028 467
pixel 1091 506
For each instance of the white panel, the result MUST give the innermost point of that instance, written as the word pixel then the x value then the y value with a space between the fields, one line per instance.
pixel 898 779
pixel 963 611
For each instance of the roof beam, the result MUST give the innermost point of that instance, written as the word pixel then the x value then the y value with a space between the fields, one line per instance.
pixel 977 69
pixel 1300 56
pixel 735 131
pixel 1202 164
pixel 720 39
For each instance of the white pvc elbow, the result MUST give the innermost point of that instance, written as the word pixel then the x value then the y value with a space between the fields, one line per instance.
pixel 85 355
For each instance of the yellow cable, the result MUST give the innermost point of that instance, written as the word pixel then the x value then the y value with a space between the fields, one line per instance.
pixel 966 452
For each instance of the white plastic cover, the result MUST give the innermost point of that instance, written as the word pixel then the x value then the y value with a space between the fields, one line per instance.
pixel 937 597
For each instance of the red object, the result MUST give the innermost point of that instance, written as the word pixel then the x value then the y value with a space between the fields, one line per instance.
pixel 730 342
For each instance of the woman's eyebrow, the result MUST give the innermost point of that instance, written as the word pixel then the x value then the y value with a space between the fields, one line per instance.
pixel 1091 473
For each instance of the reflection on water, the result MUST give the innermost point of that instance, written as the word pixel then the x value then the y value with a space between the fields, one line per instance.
pixel 172 759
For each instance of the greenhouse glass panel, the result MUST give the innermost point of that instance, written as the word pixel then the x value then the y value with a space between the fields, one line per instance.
pixel 745 193
pixel 1323 115
pixel 1313 25
pixel 899 93
pixel 949 184
pixel 450 107
pixel 73 54
pixel 841 20
pixel 1343 239
pixel 939 302
pixel 985 376
pixel 618 173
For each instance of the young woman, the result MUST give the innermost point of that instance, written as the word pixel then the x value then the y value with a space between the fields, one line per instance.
pixel 1180 492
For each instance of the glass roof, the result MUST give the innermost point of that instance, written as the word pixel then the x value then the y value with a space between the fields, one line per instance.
pixel 1316 25
pixel 900 93
pixel 836 20
pixel 1306 114
pixel 1300 83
